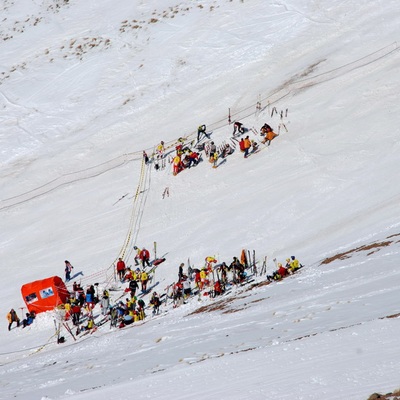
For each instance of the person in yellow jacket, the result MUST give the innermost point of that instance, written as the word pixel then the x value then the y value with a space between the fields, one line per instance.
pixel 294 264
pixel 160 149
pixel 214 159
pixel 144 278
pixel 176 163
pixel 209 261
pixel 203 278
pixel 270 135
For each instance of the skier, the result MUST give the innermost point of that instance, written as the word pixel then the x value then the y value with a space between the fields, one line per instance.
pixel 238 127
pixel 282 271
pixel 180 272
pixel 214 159
pixel 247 145
pixel 137 254
pixel 105 303
pixel 68 270
pixel 121 269
pixel 90 297
pixel 218 290
pixel 203 278
pixel 241 145
pixel 140 310
pixel 155 302
pixel 12 317
pixel 146 157
pixel 194 158
pixel 277 275
pixel 76 313
pixel 133 286
pixel 160 149
pixel 209 262
pixel 227 150
pixel 270 135
pixel 29 319
pixel 144 279
pixel 265 129
pixel 213 148
pixel 200 131
pixel 254 146
pixel 186 162
pixel 294 264
pixel 144 257
pixel 176 163
pixel 187 290
pixel 75 288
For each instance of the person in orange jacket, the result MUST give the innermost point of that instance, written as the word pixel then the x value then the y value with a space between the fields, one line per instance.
pixel 270 135
pixel 247 146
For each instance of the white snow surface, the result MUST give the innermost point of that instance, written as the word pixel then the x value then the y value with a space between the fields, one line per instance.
pixel 86 86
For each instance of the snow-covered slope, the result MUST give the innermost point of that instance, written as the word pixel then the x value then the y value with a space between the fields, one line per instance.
pixel 86 87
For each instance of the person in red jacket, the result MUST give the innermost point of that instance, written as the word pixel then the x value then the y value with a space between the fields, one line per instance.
pixel 241 145
pixel 121 269
pixel 145 256
pixel 282 270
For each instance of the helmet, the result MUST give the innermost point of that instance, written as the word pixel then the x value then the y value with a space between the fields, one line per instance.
pixel 135 247
pixel 293 257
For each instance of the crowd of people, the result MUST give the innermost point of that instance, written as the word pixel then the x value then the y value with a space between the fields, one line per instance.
pixel 189 155
pixel 211 280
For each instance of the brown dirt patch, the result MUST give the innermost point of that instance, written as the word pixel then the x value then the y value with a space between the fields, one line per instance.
pixel 347 254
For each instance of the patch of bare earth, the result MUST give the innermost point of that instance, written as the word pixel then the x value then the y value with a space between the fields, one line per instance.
pixel 388 396
pixel 216 306
pixel 347 254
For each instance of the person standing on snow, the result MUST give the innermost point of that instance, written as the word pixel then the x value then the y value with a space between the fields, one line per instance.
pixel 241 145
pixel 177 165
pixel 121 269
pixel 180 272
pixel 160 149
pixel 145 256
pixel 68 270
pixel 133 286
pixel 214 159
pixel 247 145
pixel 12 317
pixel 145 157
pixel 105 303
pixel 137 254
pixel 213 148
pixel 155 302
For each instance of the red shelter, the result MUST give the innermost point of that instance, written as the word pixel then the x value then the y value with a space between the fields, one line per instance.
pixel 44 295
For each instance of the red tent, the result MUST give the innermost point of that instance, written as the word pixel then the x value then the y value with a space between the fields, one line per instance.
pixel 44 295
